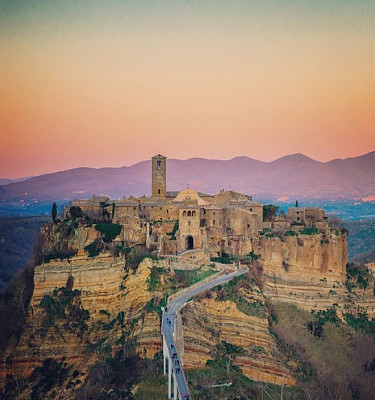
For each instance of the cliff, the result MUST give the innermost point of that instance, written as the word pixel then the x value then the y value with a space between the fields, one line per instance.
pixel 85 309
pixel 310 272
pixel 209 322
pixel 93 316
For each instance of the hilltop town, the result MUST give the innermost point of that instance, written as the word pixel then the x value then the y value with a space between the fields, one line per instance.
pixel 170 223
pixel 266 297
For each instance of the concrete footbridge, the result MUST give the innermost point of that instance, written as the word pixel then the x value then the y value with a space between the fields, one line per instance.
pixel 172 361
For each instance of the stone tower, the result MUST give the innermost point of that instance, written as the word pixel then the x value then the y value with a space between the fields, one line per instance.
pixel 159 177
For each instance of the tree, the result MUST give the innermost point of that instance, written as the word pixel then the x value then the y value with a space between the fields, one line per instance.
pixel 75 212
pixel 269 212
pixel 54 212
pixel 113 210
pixel 334 220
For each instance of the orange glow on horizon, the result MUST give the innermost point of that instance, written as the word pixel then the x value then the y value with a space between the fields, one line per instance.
pixel 81 96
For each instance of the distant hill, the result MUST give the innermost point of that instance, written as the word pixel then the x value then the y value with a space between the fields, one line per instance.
pixel 6 181
pixel 294 176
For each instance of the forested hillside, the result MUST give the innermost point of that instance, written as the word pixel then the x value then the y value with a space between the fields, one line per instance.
pixel 361 240
pixel 17 237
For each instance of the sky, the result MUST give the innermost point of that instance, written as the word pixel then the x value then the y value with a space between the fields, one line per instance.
pixel 111 83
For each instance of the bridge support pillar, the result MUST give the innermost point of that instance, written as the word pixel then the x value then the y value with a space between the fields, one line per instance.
pixel 165 352
pixel 174 387
pixel 169 378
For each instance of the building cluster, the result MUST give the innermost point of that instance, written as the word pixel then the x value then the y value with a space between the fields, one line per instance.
pixel 174 222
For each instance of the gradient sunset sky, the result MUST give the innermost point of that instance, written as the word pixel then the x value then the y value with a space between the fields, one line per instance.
pixel 110 83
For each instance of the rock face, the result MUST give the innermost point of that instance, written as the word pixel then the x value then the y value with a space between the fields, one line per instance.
pixel 85 308
pixel 311 273
pixel 303 270
pixel 81 306
pixel 97 279
pixel 209 322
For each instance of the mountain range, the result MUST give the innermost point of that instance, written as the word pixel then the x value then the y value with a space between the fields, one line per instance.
pixel 294 176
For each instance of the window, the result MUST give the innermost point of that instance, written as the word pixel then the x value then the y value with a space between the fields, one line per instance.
pixel 213 222
pixel 158 164
pixel 184 213
pixel 248 225
pixel 189 213
pixel 193 213
pixel 214 213
pixel 158 191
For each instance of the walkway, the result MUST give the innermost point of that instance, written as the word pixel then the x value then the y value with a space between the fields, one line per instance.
pixel 172 361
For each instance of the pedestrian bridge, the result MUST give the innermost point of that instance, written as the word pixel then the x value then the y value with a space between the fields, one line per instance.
pixel 173 365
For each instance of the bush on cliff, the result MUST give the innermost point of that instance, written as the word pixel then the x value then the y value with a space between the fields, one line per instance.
pixel 94 248
pixel 154 278
pixel 64 304
pixel 109 231
pixel 313 230
pixel 114 377
pixel 51 373
pixel 59 254
pixel 358 275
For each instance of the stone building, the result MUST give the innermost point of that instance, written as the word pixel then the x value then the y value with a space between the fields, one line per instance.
pixel 159 177
pixel 308 216
pixel 175 222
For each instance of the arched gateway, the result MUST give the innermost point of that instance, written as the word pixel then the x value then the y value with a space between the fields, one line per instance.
pixel 189 242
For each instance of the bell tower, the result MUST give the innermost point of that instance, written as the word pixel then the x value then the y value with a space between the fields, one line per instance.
pixel 159 177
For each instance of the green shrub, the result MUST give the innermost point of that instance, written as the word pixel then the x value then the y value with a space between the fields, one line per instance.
pixel 360 275
pixel 222 260
pixel 190 277
pixel 94 248
pixel 361 323
pixel 154 278
pixel 155 305
pixel 329 315
pixel 75 212
pixel 290 233
pixel 59 255
pixel 254 308
pixel 173 233
pixel 64 304
pixel 50 374
pixel 109 231
pixel 313 230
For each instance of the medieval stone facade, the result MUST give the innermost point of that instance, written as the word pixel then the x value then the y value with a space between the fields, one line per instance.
pixel 171 223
